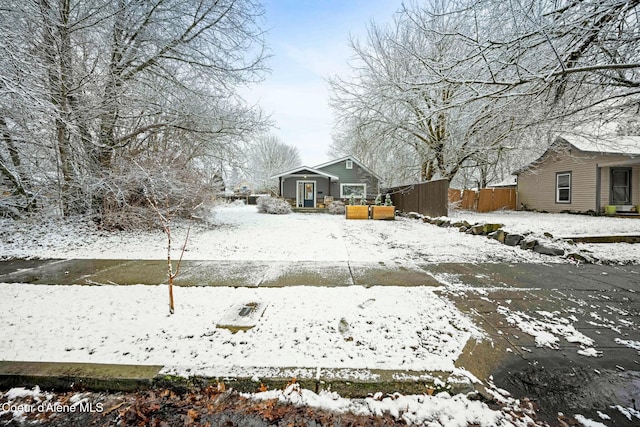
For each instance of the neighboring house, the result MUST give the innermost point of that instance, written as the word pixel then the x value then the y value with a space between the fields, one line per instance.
pixel 242 187
pixel 307 187
pixel 510 182
pixel 578 174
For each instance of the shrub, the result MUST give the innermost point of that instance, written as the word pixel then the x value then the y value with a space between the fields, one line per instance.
pixel 336 207
pixel 273 205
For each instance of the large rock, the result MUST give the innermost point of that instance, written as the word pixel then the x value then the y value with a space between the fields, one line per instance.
pixel 459 224
pixel 443 222
pixel 548 250
pixel 528 244
pixel 513 239
pixel 477 230
pixel 490 228
pixel 498 235
pixel 579 258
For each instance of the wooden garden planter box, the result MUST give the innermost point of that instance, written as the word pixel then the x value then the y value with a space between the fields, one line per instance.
pixel 383 212
pixel 357 212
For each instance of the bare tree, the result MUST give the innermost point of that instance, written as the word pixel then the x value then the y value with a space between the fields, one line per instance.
pixel 389 100
pixel 166 211
pixel 462 81
pixel 111 81
pixel 267 156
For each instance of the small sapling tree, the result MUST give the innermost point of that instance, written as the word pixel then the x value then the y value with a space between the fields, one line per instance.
pixel 165 221
pixel 165 215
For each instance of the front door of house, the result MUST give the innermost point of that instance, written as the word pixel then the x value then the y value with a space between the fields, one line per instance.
pixel 306 194
pixel 620 186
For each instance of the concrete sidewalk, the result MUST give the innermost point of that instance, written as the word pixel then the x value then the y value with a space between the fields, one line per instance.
pixel 600 302
pixel 214 273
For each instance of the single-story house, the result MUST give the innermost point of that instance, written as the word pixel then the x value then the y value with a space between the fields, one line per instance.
pixel 509 182
pixel 242 187
pixel 581 174
pixel 307 187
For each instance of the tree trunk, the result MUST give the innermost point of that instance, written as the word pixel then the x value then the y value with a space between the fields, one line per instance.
pixel 15 175
pixel 57 54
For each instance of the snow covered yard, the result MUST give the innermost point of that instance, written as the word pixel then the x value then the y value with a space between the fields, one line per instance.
pixel 304 326
pixel 241 233
pixel 349 328
pixel 307 327
pixel 566 225
pixel 558 224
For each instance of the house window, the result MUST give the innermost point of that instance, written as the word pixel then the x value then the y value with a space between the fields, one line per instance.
pixel 349 164
pixel 563 187
pixel 620 186
pixel 357 190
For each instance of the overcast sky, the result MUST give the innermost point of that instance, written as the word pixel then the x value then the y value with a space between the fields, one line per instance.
pixel 309 41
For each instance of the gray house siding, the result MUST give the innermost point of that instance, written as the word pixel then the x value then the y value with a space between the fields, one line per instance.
pixel 355 175
pixel 290 186
pixel 329 179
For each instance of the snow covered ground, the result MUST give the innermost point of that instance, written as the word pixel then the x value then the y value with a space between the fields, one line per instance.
pixel 307 327
pixel 348 328
pixel 567 225
pixel 241 233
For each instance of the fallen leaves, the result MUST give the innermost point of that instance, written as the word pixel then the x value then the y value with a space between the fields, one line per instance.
pixel 210 405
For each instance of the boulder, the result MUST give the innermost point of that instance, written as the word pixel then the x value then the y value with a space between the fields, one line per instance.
pixel 459 224
pixel 548 250
pixel 477 230
pixel 490 228
pixel 528 244
pixel 462 229
pixel 513 239
pixel 579 258
pixel 498 235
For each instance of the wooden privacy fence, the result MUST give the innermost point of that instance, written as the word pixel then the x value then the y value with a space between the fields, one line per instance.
pixel 427 198
pixel 485 200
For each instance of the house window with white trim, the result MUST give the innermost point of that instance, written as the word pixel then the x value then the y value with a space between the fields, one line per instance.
pixel 563 187
pixel 349 164
pixel 357 190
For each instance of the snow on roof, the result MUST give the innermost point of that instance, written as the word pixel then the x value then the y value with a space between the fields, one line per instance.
pixel 342 159
pixel 305 170
pixel 508 182
pixel 609 144
pixel 606 145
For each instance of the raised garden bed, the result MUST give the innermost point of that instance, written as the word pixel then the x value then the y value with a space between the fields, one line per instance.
pixel 383 212
pixel 357 211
